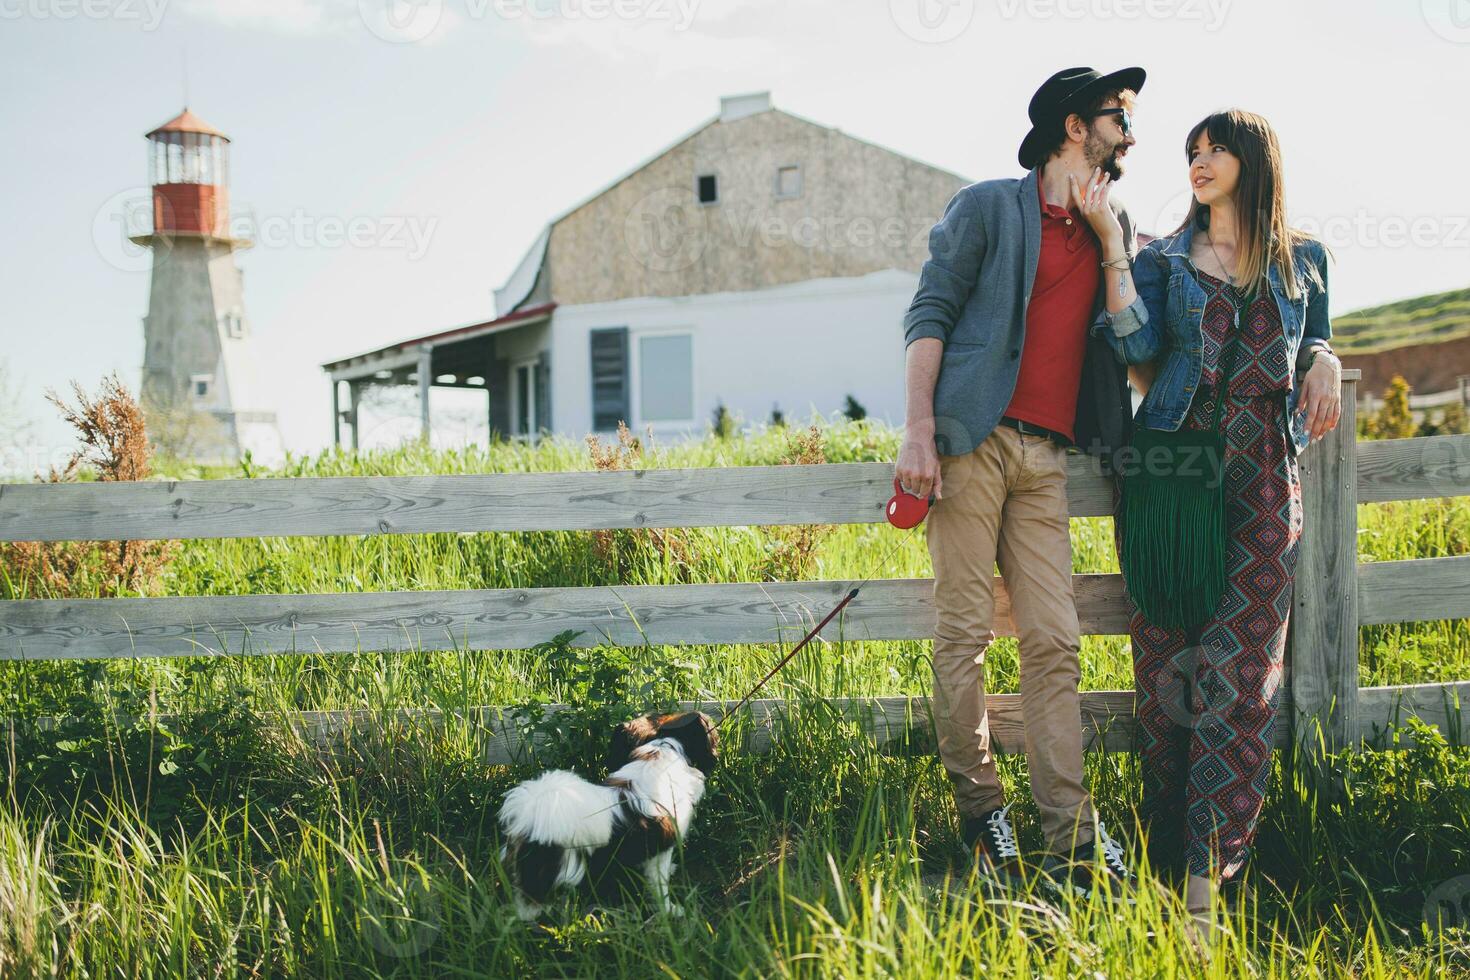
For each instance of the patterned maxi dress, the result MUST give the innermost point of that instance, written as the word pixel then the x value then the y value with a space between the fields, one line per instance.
pixel 1207 696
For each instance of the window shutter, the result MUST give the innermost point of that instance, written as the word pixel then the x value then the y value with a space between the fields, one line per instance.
pixel 543 392
pixel 609 377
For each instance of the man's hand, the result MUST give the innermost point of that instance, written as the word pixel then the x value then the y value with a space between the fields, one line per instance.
pixel 1321 398
pixel 918 466
pixel 1092 201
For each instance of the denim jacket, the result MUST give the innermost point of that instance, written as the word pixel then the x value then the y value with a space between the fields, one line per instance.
pixel 1166 319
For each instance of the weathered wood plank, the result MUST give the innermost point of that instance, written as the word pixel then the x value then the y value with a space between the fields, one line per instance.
pixel 1445 706
pixel 1411 469
pixel 1414 590
pixel 830 493
pixel 1107 720
pixel 501 619
pixel 1324 652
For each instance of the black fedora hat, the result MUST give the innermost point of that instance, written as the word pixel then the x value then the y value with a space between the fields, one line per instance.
pixel 1068 91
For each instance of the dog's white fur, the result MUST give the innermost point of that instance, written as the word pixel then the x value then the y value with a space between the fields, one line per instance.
pixel 563 810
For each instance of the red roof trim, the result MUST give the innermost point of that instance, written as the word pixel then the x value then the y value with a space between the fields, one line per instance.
pixel 489 326
pixel 526 314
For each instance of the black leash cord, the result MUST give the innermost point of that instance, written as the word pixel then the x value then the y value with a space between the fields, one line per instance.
pixel 814 631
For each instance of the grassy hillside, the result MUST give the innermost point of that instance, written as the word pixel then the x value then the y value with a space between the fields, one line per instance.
pixel 219 844
pixel 1420 320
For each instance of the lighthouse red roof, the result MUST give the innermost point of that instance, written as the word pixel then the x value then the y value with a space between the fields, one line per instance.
pixel 186 122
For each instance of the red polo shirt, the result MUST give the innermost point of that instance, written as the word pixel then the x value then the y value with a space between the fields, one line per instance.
pixel 1067 275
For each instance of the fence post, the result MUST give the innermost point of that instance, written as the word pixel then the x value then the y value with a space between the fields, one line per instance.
pixel 1324 654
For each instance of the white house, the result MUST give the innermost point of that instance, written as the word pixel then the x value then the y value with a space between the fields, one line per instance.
pixel 762 262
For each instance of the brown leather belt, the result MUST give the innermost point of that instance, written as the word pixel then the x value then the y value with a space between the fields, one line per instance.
pixel 1031 429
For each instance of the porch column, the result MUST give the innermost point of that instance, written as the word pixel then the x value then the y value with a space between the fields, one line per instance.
pixel 336 417
pixel 354 399
pixel 426 380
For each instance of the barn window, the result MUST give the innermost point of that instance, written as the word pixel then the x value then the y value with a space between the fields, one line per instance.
pixel 666 378
pixel 709 189
pixel 788 181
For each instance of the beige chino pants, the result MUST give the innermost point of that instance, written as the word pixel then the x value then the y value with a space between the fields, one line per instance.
pixel 1006 502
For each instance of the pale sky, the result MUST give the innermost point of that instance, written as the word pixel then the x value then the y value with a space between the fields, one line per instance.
pixel 445 133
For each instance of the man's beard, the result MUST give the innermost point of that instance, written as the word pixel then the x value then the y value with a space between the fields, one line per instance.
pixel 1100 154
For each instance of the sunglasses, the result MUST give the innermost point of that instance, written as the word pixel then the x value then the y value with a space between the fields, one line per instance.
pixel 1125 118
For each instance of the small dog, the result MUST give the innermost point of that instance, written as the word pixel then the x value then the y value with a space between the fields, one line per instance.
pixel 561 830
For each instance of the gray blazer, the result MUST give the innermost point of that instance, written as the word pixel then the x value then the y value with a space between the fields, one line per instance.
pixel 973 293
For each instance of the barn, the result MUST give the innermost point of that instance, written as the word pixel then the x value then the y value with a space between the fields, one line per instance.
pixel 762 262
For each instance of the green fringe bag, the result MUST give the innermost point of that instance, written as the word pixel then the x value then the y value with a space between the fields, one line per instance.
pixel 1173 518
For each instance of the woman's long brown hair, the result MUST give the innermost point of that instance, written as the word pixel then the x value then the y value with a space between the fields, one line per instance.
pixel 1263 237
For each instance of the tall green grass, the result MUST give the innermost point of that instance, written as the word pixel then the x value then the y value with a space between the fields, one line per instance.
pixel 214 843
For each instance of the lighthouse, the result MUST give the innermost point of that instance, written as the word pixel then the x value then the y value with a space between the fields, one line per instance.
pixel 202 392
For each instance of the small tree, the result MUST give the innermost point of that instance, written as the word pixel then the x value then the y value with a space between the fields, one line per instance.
pixel 177 429
pixel 723 423
pixel 626 553
pixel 114 447
pixel 791 549
pixel 1394 420
pixel 854 409
pixel 1453 422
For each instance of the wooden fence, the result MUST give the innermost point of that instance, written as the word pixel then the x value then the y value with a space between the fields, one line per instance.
pixel 1334 593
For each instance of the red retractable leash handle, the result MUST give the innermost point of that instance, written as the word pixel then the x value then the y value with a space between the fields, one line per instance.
pixel 904 511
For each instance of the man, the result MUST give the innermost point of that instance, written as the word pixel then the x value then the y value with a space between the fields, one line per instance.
pixel 1002 377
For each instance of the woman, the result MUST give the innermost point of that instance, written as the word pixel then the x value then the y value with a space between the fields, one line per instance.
pixel 1232 289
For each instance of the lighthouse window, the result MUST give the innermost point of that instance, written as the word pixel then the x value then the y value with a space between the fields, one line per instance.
pixel 175 163
pixel 234 324
pixel 199 384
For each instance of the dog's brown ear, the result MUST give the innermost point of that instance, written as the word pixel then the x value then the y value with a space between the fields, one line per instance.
pixel 627 737
pixel 696 733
